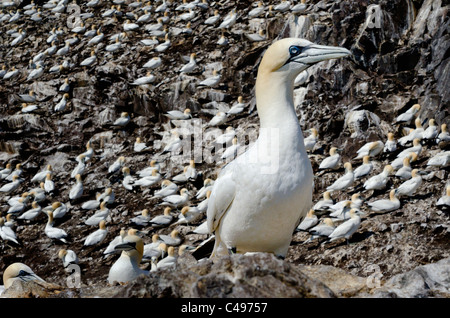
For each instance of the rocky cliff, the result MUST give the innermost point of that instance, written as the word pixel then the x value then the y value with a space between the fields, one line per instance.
pixel 400 58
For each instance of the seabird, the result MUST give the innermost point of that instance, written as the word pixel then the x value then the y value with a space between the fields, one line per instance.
pixel 167 188
pixel 97 236
pixel 311 140
pixel 345 181
pixel 332 161
pixel 384 205
pixel 444 201
pixel 19 272
pixel 380 180
pixel 364 169
pixel 346 229
pixel 390 144
pixel 308 222
pixel 68 257
pixel 256 206
pixel 54 232
pixel 237 108
pixel 409 187
pixel 407 116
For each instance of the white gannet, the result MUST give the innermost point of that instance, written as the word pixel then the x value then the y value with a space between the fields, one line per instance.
pixel 80 167
pixel 167 188
pixel 173 239
pixel 77 189
pixel 258 11
pixel 144 80
pixel 6 171
pixel 252 207
pixel 211 81
pixel 398 162
pixel 203 206
pixel 169 260
pixel 162 220
pixel 149 181
pixel 364 169
pixel 126 268
pixel 139 145
pixel 323 229
pixel 407 116
pixel 299 7
pixel 190 66
pixel 231 151
pixel 188 215
pixel 64 50
pixel 325 203
pixel 404 172
pixel 107 196
pixel 36 73
pixel 207 185
pixel 145 17
pixel 123 120
pixel 128 180
pixel 152 252
pixel 97 236
pixel 11 74
pixel 415 133
pixel 444 201
pixel 222 41
pixel 7 233
pixel 130 26
pixel 384 205
pixel 441 159
pixel 68 257
pixel 58 209
pixel 237 108
pixel 153 63
pixel 311 140
pixel 219 119
pixel 28 108
pixel 283 6
pixel 97 39
pixel 12 186
pixel 19 272
pixel 226 137
pixel 416 147
pixel 54 232
pixel 16 172
pixel 444 135
pixel 18 206
pixel 341 211
pixel 212 20
pixel 391 144
pixel 89 60
pixel 345 181
pixel 162 47
pixel 431 132
pixel 113 47
pixel 371 149
pixel 379 181
pixel 142 219
pixel 229 20
pixel 177 200
pixel 61 105
pixel 41 175
pixel 99 215
pixel 114 242
pixel 409 187
pixel 308 222
pixel 332 161
pixel 178 115
pixel 116 165
pixel 346 229
pixel 31 213
pixel 147 171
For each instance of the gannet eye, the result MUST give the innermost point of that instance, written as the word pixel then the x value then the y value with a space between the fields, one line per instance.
pixel 295 50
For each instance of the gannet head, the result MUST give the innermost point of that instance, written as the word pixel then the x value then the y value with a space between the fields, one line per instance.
pixel 18 271
pixel 133 246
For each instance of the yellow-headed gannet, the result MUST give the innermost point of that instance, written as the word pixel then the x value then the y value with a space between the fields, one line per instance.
pixel 89 60
pixel 77 189
pixel 258 11
pixel 153 63
pixel 237 108
pixel 384 205
pixel 323 229
pixel 96 39
pixel 379 181
pixel 99 215
pixel 59 209
pixel 345 181
pixel 31 213
pixel 177 200
pixel 299 7
pixel 163 219
pixel 144 80
pixel 325 203
pixel 16 172
pixel 256 203
pixel 231 151
pixel 311 140
pixel 444 135
pixel 167 188
pixel 6 171
pixel 116 165
pixel 441 159
pixel 178 115
pixel 416 133
pixel 211 81
pixel 283 6
pixel 80 167
pixel 20 272
pixel 169 260
pixel 61 105
pixel 207 185
pixel 142 219
pixel 54 232
pixel 190 66
pixel 371 149
pixel 404 172
pixel 212 20
pixel 12 186
pixel 398 162
pixel 364 169
pixel 123 120
pixel 116 241
pixel 128 180
pixel 409 187
pixel 407 116
pixel 203 206
pixel 40 176
pixel 219 119
pixel 431 132
pixel 229 20
pixel 139 145
pixel 126 268
pixel 332 161
pixel 308 222
pixel 416 147
pixel 149 181
pixel 188 215
pixel 162 47
pixel 391 144
pixel 342 212
pixel 97 236
pixel 7 233
pixel 444 201
pixel 346 229
pixel 68 257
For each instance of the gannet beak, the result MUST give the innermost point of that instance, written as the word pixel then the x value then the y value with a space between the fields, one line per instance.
pixel 314 53
pixel 127 246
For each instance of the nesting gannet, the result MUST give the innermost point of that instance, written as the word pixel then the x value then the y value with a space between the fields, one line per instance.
pixel 371 149
pixel 203 206
pixel 299 7
pixel 258 11
pixel 7 233
pixel 391 144
pixel 58 209
pixel 211 81
pixel 404 172
pixel 12 186
pixel 54 232
pixel 123 120
pixel 11 74
pixel 222 41
pixel 384 205
pixel 444 201
pixel 130 26
pixel 97 236
pixel 212 20
pixel 308 222
pixel 19 272
pixel 441 159
pixel 139 145
pixel 128 180
pixel 162 220
pixel 416 147
pixel 89 60
pixel 229 20
pixel 231 151
pixel 431 132
pixel 188 215
pixel 364 169
pixel 149 181
pixel 190 66
pixel 148 171
pixel 345 181
pixel 31 213
pixel 68 257
pixel 415 133
pixel 398 162
pixel 283 6
pixel 77 189
pixel 256 37
pixel 407 116
pixel 41 175
pixel 324 203
pixel 6 171
pixel 99 215
pixel 162 47
pixel 167 188
pixel 342 212
pixel 126 268
pixel 64 50
pixel 144 80
pixel 332 161
pixel 153 63
pixel 207 185
pixel 116 165
pixel 16 172
pixel 17 207
pixel 80 167
pixel 36 73
pixel 169 260
pixel 346 229
pixel 142 219
pixel 252 207
pixel 311 140
pixel 409 187
pixel 152 252
pixel 379 181
pixel 116 241
pixel 444 135
pixel 113 47
pixel 61 105
pixel 97 39
pixel 237 108
pixel 323 229
pixel 177 200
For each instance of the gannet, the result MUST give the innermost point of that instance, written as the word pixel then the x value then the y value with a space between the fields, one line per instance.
pixel 444 201
pixel 116 165
pixel 64 50
pixel 126 268
pixel 114 46
pixel 89 60
pixel 416 133
pixel 162 220
pixel 31 213
pixel 203 206
pixel 219 119
pixel 123 120
pixel 207 185
pixel 379 181
pixel 107 196
pixel 409 187
pixel 407 116
pixel 28 98
pixel 80 167
pixel 11 74
pixel 212 20
pixel 28 108
pixel 130 26
pixel 371 149
pixel 226 137
pixel 36 73
pixel 187 16
pixel 142 219
pixel 7 233
pixel 256 37
pixel 404 172
pixel 16 172
pixel 169 260
pixel 116 241
pixel 416 147
pixel 128 179
pixel 211 81
pixel 153 63
pixel 283 6
pixel 181 177
pixel 173 239
pixel 99 215
pixel 145 17
pixel 10 221
pixel 77 189
pixel 143 80
pixel 299 7
pixel 222 41
pixel 258 11
pixel 148 171
pixel 20 272
pixel 431 132
pixel 237 108
pixel 444 135
pixel 177 200
pixel 148 181
pixel 12 186
pixel 323 229
pixel 91 204
pixel 178 115
pixel 154 252
pixel 311 140
pixel 162 47
pixel 6 171
pixel 97 236
pixel 384 205
pixel 342 212
pixel 139 145
pixel 325 203
pixel 61 105
pixel 346 229
pixel 332 161
pixel 254 206
pixel 96 39
pixel 308 222
pixel 54 232
pixel 68 257
pixel 188 215
pixel 167 188
pixel 441 159
pixel 390 144
pixel 364 169
pixel 229 20
pixel 345 181
pixel 190 66
pixel 17 207
pixel 398 162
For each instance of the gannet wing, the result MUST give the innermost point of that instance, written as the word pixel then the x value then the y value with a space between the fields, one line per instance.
pixel 222 196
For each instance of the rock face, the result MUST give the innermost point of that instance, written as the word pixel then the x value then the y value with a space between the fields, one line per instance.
pixel 400 58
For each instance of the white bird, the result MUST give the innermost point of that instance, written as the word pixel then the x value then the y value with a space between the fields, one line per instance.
pixel 190 66
pixel 325 203
pixel 167 188
pixel 7 233
pixel 128 180
pixel 342 212
pixel 323 229
pixel 203 206
pixel 148 171
pixel 444 201
pixel 390 144
pixel 283 6
pixel 188 215
pixel 12 186
pixel 231 151
pixel 163 219
pixel 258 11
pixel 89 60
pixel 398 162
pixel 311 140
pixel 177 200
pixel 229 20
pixel 409 187
pixel 237 108
pixel 345 181
pixel 54 232
pixel 299 7
pixel 77 189
pixel 255 207
pixel 431 132
pixel 123 120
pixel 96 39
pixel 308 222
pixel 169 260
pixel 441 159
pixel 31 213
pixel 68 257
pixel 116 165
pixel 153 63
pixel 19 272
pixel 116 241
pixel 142 219
pixel 346 229
pixel 61 105
pixel 173 239
pixel 139 145
pixel 371 149
pixel 126 268
pixel 407 116
pixel 415 133
pixel 211 81
pixel 384 205
pixel 91 204
pixel 404 172
pixel 36 73
pixel 149 181
pixel 444 135
pixel 130 26
pixel 11 74
pixel 97 236
pixel 80 167
pixel 212 20
pixel 332 161
pixel 17 207
pixel 379 181
pixel 364 169
pixel 98 216
pixel 113 47
pixel 416 147
pixel 144 80
pixel 162 47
